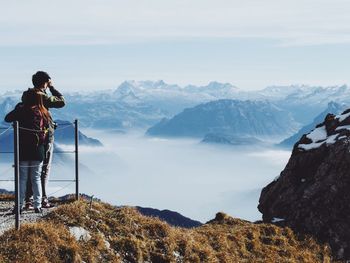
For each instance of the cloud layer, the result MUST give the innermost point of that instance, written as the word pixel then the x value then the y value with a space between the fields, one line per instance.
pixel 299 22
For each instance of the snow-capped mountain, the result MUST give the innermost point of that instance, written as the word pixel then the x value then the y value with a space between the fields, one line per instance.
pixel 215 89
pixel 281 92
pixel 171 98
pixel 141 104
pixel 306 102
pixel 138 104
pixel 231 117
pixel 6 106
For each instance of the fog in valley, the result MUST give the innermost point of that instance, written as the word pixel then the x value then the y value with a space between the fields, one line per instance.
pixel 193 179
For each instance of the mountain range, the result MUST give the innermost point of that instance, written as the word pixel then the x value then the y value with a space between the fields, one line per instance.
pixel 142 104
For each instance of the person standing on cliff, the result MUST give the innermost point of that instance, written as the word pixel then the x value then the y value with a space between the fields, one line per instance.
pixel 34 121
pixel 42 82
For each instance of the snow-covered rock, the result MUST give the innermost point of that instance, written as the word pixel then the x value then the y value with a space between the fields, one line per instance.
pixel 80 234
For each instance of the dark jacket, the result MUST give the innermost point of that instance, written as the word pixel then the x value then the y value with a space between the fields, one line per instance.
pixel 32 133
pixel 56 100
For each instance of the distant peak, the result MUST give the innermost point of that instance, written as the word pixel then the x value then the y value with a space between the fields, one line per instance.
pixel 160 83
pixel 216 84
pixel 335 105
pixel 127 83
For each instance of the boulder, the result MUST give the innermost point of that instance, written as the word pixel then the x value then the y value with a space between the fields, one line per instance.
pixel 79 233
pixel 312 193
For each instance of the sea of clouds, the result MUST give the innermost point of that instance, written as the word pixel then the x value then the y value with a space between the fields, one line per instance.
pixel 182 175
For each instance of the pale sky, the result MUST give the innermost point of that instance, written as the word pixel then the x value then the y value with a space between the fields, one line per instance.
pixel 96 44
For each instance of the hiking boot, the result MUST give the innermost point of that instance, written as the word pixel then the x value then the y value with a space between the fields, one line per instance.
pixel 28 206
pixel 46 204
pixel 38 210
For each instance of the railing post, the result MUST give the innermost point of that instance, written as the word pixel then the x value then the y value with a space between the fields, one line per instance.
pixel 16 166
pixel 76 160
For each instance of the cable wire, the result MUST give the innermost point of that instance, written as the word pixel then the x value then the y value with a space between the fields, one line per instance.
pixel 64 187
pixel 5 130
pixel 60 129
pixel 6 171
pixel 65 124
pixel 27 129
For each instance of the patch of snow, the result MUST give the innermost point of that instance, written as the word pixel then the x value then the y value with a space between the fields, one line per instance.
pixel 318 134
pixel 342 116
pixel 342 137
pixel 345 127
pixel 80 233
pixel 303 180
pixel 310 146
pixel 276 219
pixel 330 140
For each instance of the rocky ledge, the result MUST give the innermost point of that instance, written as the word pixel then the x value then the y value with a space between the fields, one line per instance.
pixel 312 194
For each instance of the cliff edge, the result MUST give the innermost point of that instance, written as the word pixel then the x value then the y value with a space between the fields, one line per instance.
pixel 312 193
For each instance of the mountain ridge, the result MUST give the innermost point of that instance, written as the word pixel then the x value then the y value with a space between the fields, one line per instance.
pixel 232 117
pixel 141 104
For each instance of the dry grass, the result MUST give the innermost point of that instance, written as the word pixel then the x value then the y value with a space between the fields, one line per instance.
pixel 40 242
pixel 132 237
pixel 7 197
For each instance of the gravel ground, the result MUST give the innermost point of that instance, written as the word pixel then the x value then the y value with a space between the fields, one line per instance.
pixel 7 219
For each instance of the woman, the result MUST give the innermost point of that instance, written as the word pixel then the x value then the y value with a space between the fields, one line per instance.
pixel 33 121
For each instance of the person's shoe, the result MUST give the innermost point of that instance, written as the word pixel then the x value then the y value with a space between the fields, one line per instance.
pixel 38 210
pixel 29 206
pixel 45 204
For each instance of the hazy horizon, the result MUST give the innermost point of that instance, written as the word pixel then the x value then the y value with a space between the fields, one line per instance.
pixel 98 44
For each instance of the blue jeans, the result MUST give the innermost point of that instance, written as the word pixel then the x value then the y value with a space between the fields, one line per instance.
pixel 45 172
pixel 32 170
pixel 46 168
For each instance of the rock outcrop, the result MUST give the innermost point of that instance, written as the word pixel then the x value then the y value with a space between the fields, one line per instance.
pixel 312 194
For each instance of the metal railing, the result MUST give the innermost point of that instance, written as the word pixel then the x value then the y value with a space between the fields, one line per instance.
pixel 16 150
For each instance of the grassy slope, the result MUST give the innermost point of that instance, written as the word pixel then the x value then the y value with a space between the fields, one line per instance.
pixel 132 237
